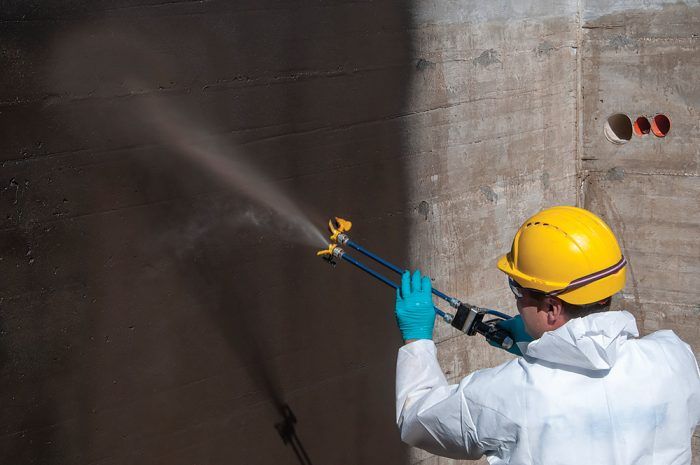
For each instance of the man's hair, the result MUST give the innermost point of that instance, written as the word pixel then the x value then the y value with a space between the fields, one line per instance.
pixel 579 311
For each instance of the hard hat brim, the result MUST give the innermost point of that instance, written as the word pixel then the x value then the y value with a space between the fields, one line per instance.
pixel 590 293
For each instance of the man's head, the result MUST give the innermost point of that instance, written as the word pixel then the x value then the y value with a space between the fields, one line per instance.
pixel 564 263
pixel 542 313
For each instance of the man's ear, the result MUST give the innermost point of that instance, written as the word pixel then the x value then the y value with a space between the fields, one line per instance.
pixel 555 310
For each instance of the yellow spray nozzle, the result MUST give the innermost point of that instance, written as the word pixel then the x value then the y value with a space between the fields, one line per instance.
pixel 329 254
pixel 328 251
pixel 338 228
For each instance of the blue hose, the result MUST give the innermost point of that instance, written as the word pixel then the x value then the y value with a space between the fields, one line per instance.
pixel 451 300
pixel 497 313
pixel 379 276
pixel 374 257
pixel 366 269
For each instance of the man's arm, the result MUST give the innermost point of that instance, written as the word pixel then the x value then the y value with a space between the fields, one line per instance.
pixel 431 414
pixel 428 411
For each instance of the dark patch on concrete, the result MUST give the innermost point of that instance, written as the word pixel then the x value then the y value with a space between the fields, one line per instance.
pixel 423 64
pixel 490 195
pixel 545 179
pixel 544 48
pixel 622 41
pixel 602 26
pixel 424 209
pixel 615 174
pixel 487 57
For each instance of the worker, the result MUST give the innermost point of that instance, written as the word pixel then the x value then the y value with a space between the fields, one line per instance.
pixel 586 390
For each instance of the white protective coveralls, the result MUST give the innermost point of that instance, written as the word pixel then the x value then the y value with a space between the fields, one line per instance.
pixel 588 393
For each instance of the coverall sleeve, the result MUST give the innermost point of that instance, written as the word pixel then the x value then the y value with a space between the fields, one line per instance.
pixel 431 414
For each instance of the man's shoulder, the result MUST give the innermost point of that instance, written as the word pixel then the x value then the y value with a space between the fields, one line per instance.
pixel 495 381
pixel 666 343
pixel 665 336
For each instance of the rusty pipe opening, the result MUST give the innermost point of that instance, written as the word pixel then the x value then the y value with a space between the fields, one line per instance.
pixel 660 125
pixel 641 126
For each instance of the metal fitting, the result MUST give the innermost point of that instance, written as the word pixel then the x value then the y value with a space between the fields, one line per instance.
pixel 343 239
pixel 337 252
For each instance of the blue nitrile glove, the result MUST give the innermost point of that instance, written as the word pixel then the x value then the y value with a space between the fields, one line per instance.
pixel 414 307
pixel 516 328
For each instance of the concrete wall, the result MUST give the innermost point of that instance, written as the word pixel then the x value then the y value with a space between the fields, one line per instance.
pixel 497 142
pixel 642 62
pixel 150 313
pixel 514 97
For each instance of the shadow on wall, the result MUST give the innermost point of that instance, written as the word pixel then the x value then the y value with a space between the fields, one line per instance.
pixel 167 316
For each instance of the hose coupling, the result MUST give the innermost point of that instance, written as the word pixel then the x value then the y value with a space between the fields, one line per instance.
pixel 332 254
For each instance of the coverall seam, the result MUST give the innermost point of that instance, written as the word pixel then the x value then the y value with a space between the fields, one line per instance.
pixel 464 407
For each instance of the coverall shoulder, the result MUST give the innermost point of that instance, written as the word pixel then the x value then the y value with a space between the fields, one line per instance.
pixel 588 392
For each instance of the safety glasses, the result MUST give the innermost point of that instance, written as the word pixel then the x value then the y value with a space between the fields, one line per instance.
pixel 520 291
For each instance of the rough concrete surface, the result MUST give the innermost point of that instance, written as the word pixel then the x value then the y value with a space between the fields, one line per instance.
pixel 645 62
pixel 495 144
pixel 152 314
pixel 517 98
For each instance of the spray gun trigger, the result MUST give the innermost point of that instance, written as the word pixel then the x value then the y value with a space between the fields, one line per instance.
pixel 327 254
pixel 337 227
pixel 328 251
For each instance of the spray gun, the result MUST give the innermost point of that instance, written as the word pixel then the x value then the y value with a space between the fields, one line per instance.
pixel 468 318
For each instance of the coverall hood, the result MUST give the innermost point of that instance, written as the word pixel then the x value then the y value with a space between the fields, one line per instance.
pixel 589 343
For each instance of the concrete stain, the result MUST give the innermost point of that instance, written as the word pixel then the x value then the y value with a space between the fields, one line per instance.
pixel 490 195
pixel 615 174
pixel 424 209
pixel 545 179
pixel 422 64
pixel 621 41
pixel 544 48
pixel 487 57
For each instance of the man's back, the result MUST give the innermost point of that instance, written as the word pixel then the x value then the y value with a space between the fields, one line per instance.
pixel 585 393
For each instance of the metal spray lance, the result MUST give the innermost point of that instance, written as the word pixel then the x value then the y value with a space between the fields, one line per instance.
pixel 468 318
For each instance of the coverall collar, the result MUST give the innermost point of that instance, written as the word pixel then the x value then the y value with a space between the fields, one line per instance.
pixel 588 343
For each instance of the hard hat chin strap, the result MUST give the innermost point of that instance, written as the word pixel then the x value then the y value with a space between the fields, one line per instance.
pixel 580 282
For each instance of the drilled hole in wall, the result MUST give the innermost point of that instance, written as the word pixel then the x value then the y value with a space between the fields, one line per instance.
pixel 642 126
pixel 660 125
pixel 618 128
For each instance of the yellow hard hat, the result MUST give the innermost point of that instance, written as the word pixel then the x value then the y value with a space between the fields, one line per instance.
pixel 567 252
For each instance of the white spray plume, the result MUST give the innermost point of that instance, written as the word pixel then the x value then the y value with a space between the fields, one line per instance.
pixel 228 165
